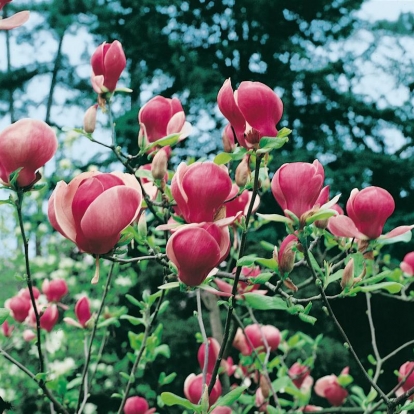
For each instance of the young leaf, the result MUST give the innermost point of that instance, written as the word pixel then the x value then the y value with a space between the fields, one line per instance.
pixel 168 398
pixel 230 398
pixel 4 313
pixel 261 302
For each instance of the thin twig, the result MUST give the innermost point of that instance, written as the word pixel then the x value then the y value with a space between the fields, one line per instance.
pixel 204 335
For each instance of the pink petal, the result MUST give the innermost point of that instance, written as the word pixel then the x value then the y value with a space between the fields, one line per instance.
pixel 343 226
pixel 108 215
pixel 260 107
pixel 14 21
pixel 398 231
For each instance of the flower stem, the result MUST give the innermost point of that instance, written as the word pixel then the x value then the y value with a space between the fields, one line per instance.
pixel 18 203
pixel 237 276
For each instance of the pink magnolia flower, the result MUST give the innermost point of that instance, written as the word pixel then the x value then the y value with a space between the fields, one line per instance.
pixel 108 62
pixel 27 144
pixel 297 186
pixel 200 190
pixel 137 405
pixel 193 388
pixel 55 289
pixel 48 314
pixel 25 293
pixel 242 287
pixel 161 117
pixel 255 338
pixel 82 312
pixel 368 210
pixel 94 208
pixel 298 373
pixel 196 249
pixel 328 387
pixel 3 3
pixel 311 408
pixel 253 111
pixel 406 371
pixel 407 265
pixel 19 307
pixel 7 329
pixel 28 335
pixel 49 317
pixel 213 351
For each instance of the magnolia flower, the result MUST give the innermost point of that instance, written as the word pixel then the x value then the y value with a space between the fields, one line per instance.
pixel 108 62
pixel 253 111
pixel 27 144
pixel 368 210
pixel 94 208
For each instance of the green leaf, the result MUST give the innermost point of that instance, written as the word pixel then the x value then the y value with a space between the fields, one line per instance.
pixel 228 399
pixel 171 285
pixel 163 350
pixel 272 143
pixel 133 319
pixel 6 202
pixel 344 380
pixel 168 398
pixel 409 407
pixel 275 217
pixel 372 359
pixel 4 313
pixel 307 318
pixel 262 302
pixel 134 301
pixel 74 383
pixel 165 380
pixel 267 246
pixel 125 375
pixel 284 132
pixel 262 278
pixel 223 158
pixel 41 376
pixel 391 287
pixel 109 322
pixel 116 395
pixel 163 142
pixel 144 174
pixel 315 264
pixel 269 263
pixel 246 260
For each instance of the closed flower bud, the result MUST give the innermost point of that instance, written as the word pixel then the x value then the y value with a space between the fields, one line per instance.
pixel 193 388
pixel 137 405
pixel 159 164
pixel 89 120
pixel 243 172
pixel 108 62
pixel 7 329
pixel 28 335
pixel 407 265
pixel 348 275
pixel 406 374
pixel 298 373
pixel 228 139
pixel 55 289
pixel 286 255
pixel 213 351
pixel 20 307
pixel 83 311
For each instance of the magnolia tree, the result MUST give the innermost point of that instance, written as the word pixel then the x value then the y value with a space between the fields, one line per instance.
pixel 194 222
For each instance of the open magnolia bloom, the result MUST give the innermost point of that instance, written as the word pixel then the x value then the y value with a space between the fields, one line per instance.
pixel 161 117
pixel 94 208
pixel 368 210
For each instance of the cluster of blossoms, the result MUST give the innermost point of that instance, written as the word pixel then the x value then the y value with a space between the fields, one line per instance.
pixel 22 310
